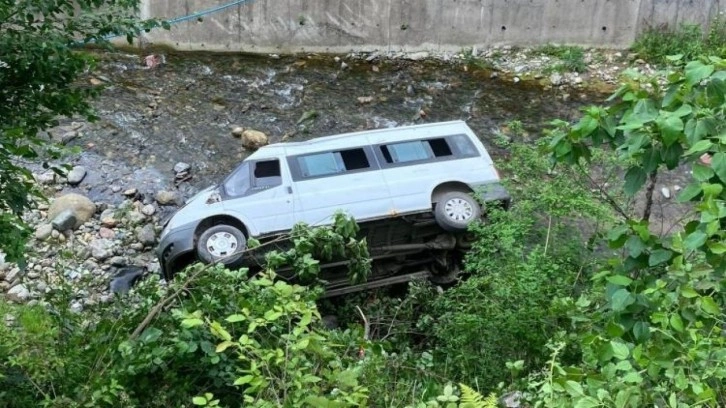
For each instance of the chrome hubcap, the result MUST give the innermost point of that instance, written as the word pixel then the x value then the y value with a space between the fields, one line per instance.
pixel 222 244
pixel 458 209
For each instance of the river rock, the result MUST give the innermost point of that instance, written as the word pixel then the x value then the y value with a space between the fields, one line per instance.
pixel 556 79
pixel 43 231
pixel 146 235
pixel 106 233
pixel 165 197
pixel 64 221
pixel 254 139
pixel 238 131
pixel 417 56
pixel 148 210
pixel 47 178
pixel 76 175
pixel 135 217
pixel 130 192
pixel 101 249
pixel 81 207
pixel 18 293
pixel 108 218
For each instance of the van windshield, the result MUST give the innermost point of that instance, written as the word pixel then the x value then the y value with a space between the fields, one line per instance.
pixel 238 183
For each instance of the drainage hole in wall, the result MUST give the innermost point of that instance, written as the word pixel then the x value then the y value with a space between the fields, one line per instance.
pixel 604 28
pixel 504 28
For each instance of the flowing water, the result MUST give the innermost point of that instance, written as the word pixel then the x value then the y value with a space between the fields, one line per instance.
pixel 184 109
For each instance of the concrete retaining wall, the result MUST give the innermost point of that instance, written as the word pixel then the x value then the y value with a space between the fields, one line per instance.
pixel 416 25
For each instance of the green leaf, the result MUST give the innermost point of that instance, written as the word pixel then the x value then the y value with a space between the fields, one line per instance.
pixel 710 306
pixel 696 71
pixel 651 159
pixel 671 127
pixel 701 172
pixel 620 280
pixel 634 180
pixel 718 162
pixel 620 350
pixel 587 402
pixel 672 155
pixel 676 322
pixel 635 246
pixel 659 256
pixel 699 147
pixel 641 331
pixel 644 111
pixel 573 388
pixel 199 401
pixel 236 318
pixel 695 240
pixel 717 248
pixel 689 193
pixel 189 323
pixel 621 299
pixel 245 379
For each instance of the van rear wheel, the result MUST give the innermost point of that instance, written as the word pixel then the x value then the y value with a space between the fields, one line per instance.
pixel 222 243
pixel 456 210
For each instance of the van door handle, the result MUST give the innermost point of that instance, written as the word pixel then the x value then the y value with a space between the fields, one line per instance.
pixel 289 190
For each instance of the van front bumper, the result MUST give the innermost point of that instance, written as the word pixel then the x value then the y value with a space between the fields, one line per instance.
pixel 174 244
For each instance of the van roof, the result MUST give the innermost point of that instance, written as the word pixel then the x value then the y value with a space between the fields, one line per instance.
pixel 365 137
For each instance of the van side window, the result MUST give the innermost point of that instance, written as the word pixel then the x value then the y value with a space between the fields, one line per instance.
pixel 464 145
pixel 405 152
pixel 440 147
pixel 323 164
pixel 355 159
pixel 267 174
pixel 320 164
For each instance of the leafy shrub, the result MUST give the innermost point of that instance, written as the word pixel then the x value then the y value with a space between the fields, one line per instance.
pixel 650 331
pixel 688 40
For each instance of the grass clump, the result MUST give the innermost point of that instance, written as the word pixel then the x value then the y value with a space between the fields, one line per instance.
pixel 571 58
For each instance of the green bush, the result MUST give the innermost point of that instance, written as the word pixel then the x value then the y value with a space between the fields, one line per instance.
pixel 688 40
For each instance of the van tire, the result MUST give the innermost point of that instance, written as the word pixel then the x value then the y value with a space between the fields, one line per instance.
pixel 231 247
pixel 454 211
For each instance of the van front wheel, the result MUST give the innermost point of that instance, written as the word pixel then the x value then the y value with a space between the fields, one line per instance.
pixel 456 210
pixel 223 244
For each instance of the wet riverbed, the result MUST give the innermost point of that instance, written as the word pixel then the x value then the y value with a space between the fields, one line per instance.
pixel 184 109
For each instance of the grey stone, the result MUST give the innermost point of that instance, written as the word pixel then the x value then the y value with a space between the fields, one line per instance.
pixel 47 178
pixel 182 167
pixel 130 192
pixel 147 235
pixel 117 261
pixel 76 307
pixel 108 218
pixel 101 249
pixel 666 192
pixel 43 231
pixel 76 175
pixel 556 79
pixel 148 210
pixel 12 274
pixel 65 220
pixel 18 294
pixel 166 197
pixel 83 208
pixel 417 56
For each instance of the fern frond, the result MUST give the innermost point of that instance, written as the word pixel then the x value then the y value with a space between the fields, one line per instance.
pixel 473 399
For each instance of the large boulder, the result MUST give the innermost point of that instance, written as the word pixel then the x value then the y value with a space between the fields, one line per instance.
pixel 18 294
pixel 254 139
pixel 81 207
